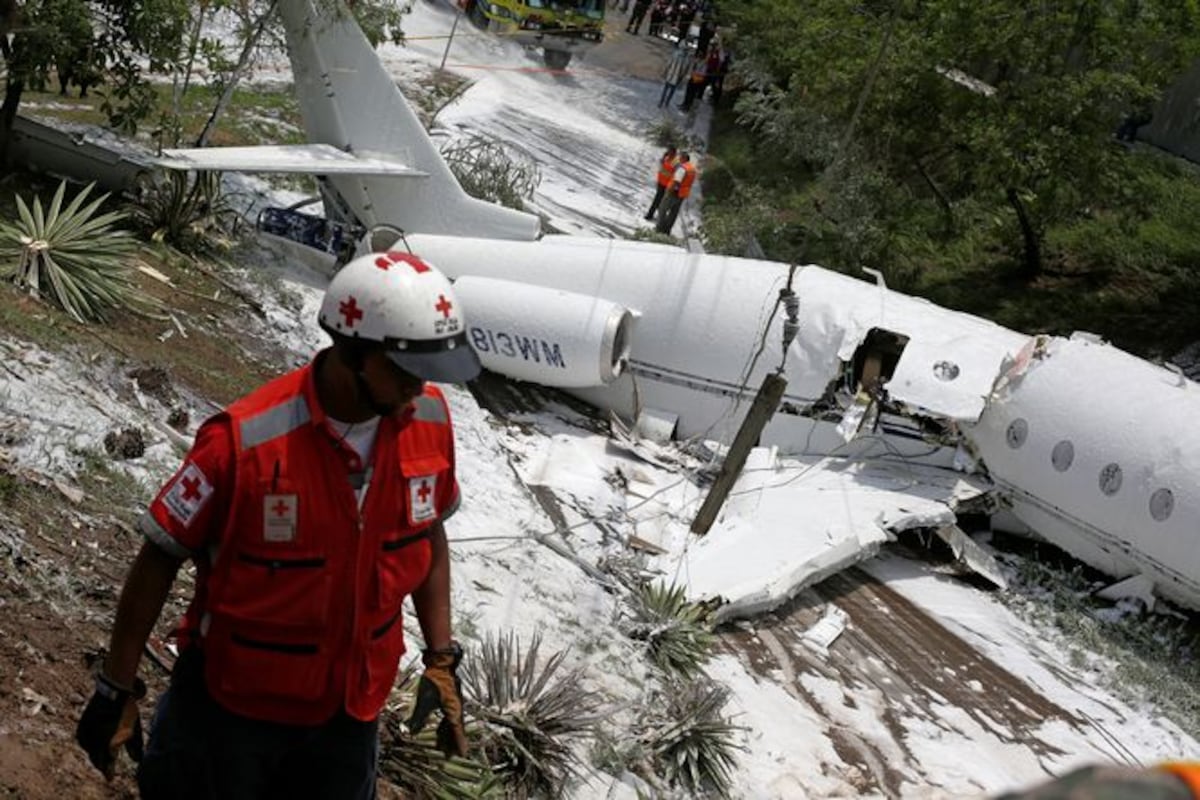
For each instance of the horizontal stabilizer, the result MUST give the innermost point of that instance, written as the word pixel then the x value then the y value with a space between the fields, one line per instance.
pixel 308 159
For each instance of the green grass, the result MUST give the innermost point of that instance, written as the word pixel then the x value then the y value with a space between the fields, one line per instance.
pixel 257 114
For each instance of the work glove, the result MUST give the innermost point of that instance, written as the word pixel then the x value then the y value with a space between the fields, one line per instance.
pixel 111 721
pixel 440 687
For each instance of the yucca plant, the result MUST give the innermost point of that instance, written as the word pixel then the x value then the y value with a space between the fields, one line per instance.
pixel 677 633
pixel 192 214
pixel 531 713
pixel 416 765
pixel 71 255
pixel 688 741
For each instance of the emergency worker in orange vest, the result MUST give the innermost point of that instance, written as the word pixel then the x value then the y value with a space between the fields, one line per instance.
pixel 1178 780
pixel 666 168
pixel 679 190
pixel 311 508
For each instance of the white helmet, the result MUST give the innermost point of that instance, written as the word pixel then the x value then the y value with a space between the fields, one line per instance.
pixel 406 305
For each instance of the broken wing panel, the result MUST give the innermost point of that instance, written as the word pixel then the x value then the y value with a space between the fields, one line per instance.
pixel 789 524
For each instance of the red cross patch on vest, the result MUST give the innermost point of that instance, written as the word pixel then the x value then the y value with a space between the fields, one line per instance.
pixel 280 512
pixel 188 494
pixel 421 491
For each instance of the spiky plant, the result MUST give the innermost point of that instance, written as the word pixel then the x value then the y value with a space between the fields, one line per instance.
pixel 192 214
pixel 419 768
pixel 688 741
pixel 70 254
pixel 416 765
pixel 531 713
pixel 677 633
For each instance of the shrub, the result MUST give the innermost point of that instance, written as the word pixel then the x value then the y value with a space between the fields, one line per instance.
pixel 531 714
pixel 675 631
pixel 71 255
pixel 688 741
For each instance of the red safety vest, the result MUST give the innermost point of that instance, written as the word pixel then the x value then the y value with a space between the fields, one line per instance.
pixel 689 177
pixel 666 169
pixel 302 615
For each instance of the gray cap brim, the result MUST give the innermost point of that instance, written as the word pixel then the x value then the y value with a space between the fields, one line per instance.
pixel 457 365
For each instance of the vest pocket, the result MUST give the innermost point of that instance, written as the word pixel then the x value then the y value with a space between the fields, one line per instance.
pixel 403 564
pixel 278 587
pixel 384 650
pixel 250 662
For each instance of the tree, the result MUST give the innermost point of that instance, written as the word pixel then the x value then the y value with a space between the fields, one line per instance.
pixel 1011 103
pixel 138 38
pixel 134 36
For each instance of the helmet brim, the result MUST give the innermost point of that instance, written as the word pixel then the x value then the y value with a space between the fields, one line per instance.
pixel 457 365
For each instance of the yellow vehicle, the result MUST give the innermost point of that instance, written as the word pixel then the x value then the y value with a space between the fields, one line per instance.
pixel 561 28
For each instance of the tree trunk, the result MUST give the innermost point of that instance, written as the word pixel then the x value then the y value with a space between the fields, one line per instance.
pixel 8 115
pixel 1032 261
pixel 238 73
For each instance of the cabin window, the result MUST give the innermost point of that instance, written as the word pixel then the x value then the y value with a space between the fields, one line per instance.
pixel 1162 503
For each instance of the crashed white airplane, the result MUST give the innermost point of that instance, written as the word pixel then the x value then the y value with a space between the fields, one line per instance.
pixel 895 411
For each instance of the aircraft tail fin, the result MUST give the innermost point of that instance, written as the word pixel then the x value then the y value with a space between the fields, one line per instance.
pixel 349 101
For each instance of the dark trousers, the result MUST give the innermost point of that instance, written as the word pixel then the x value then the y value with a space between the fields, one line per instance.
pixel 635 19
pixel 668 213
pixel 659 191
pixel 695 90
pixel 668 92
pixel 200 751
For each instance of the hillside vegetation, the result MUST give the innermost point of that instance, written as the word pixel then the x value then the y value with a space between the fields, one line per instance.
pixel 968 151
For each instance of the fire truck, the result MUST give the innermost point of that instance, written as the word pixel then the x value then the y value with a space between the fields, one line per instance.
pixel 561 28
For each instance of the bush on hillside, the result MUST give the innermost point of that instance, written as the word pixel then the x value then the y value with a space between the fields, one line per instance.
pixel 71 255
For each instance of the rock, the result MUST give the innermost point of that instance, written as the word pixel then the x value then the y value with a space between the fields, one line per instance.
pixel 179 419
pixel 156 382
pixel 125 444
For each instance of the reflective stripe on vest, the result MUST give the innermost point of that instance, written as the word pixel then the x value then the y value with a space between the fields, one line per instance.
pixel 666 169
pixel 274 422
pixel 689 177
pixel 1186 771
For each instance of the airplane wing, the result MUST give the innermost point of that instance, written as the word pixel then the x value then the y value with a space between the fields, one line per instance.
pixel 308 159
pixel 790 522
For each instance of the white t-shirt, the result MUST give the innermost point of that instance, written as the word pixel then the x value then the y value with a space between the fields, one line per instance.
pixel 359 435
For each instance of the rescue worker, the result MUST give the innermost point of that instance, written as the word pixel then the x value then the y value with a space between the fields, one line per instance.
pixel 1178 780
pixel 311 508
pixel 679 190
pixel 666 168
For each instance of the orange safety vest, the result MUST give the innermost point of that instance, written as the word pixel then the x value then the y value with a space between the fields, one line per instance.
pixel 689 177
pixel 1186 771
pixel 666 169
pixel 303 604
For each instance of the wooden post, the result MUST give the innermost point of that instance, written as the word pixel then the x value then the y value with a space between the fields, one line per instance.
pixel 765 403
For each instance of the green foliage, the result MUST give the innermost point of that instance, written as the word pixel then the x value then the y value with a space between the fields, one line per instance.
pixel 188 211
pixel 676 632
pixel 70 254
pixel 954 101
pixel 688 741
pixel 488 170
pixel 1150 656
pixel 416 765
pixel 531 714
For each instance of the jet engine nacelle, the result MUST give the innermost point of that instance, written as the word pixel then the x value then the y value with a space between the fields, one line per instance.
pixel 547 336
